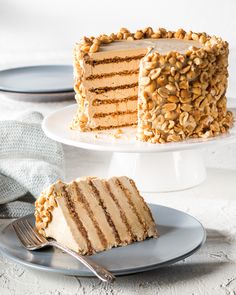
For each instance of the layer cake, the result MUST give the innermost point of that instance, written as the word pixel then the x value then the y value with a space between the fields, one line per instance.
pixel 91 214
pixel 172 84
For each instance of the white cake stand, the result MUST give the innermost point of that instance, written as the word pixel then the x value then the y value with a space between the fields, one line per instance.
pixel 155 167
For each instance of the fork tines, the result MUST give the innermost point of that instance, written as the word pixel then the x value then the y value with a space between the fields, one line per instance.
pixel 27 234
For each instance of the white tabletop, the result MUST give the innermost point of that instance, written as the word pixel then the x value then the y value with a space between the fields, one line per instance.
pixel 210 271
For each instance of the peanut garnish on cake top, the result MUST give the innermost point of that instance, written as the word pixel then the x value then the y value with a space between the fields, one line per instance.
pixel 172 84
pixel 92 214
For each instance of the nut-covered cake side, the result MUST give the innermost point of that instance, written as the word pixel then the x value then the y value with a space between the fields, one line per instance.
pixel 183 95
pixel 44 206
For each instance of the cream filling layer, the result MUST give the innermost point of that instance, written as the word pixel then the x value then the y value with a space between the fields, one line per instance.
pixel 102 69
pixel 112 94
pixel 130 105
pixel 63 228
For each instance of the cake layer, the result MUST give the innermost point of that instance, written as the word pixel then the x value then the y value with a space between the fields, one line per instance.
pixel 98 102
pixel 114 120
pixel 113 81
pixel 112 74
pixel 109 88
pixel 91 215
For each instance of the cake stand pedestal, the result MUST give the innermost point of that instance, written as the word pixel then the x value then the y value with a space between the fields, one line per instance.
pixel 160 172
pixel 155 167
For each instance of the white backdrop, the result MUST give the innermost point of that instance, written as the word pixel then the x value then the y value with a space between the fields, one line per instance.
pixel 30 29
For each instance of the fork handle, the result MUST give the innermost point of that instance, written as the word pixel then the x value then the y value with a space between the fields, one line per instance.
pixel 97 269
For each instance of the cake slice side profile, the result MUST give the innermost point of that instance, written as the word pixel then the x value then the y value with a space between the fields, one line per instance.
pixel 91 215
pixel 106 86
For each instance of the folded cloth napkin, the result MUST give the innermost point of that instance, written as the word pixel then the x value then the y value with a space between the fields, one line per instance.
pixel 29 162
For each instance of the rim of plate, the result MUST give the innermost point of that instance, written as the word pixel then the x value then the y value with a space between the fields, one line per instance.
pixel 116 272
pixel 67 89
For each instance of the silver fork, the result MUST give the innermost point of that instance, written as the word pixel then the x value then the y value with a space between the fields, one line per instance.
pixel 32 240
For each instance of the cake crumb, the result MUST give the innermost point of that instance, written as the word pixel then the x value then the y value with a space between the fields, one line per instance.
pixel 117 136
pixel 117 133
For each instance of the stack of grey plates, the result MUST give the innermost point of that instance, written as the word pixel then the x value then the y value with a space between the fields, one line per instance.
pixel 44 83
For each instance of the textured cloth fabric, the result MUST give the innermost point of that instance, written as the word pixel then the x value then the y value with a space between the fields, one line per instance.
pixel 29 162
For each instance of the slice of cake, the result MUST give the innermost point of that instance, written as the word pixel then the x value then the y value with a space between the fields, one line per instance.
pixel 172 84
pixel 91 214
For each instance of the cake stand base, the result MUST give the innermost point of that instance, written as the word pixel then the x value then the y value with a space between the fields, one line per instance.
pixel 161 172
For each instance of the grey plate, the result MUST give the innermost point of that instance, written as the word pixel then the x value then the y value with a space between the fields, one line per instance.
pixel 39 97
pixel 180 236
pixel 37 79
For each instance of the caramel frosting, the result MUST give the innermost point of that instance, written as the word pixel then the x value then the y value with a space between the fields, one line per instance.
pixel 126 48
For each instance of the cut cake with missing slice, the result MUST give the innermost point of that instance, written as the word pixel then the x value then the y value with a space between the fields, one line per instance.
pixel 171 84
pixel 91 214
